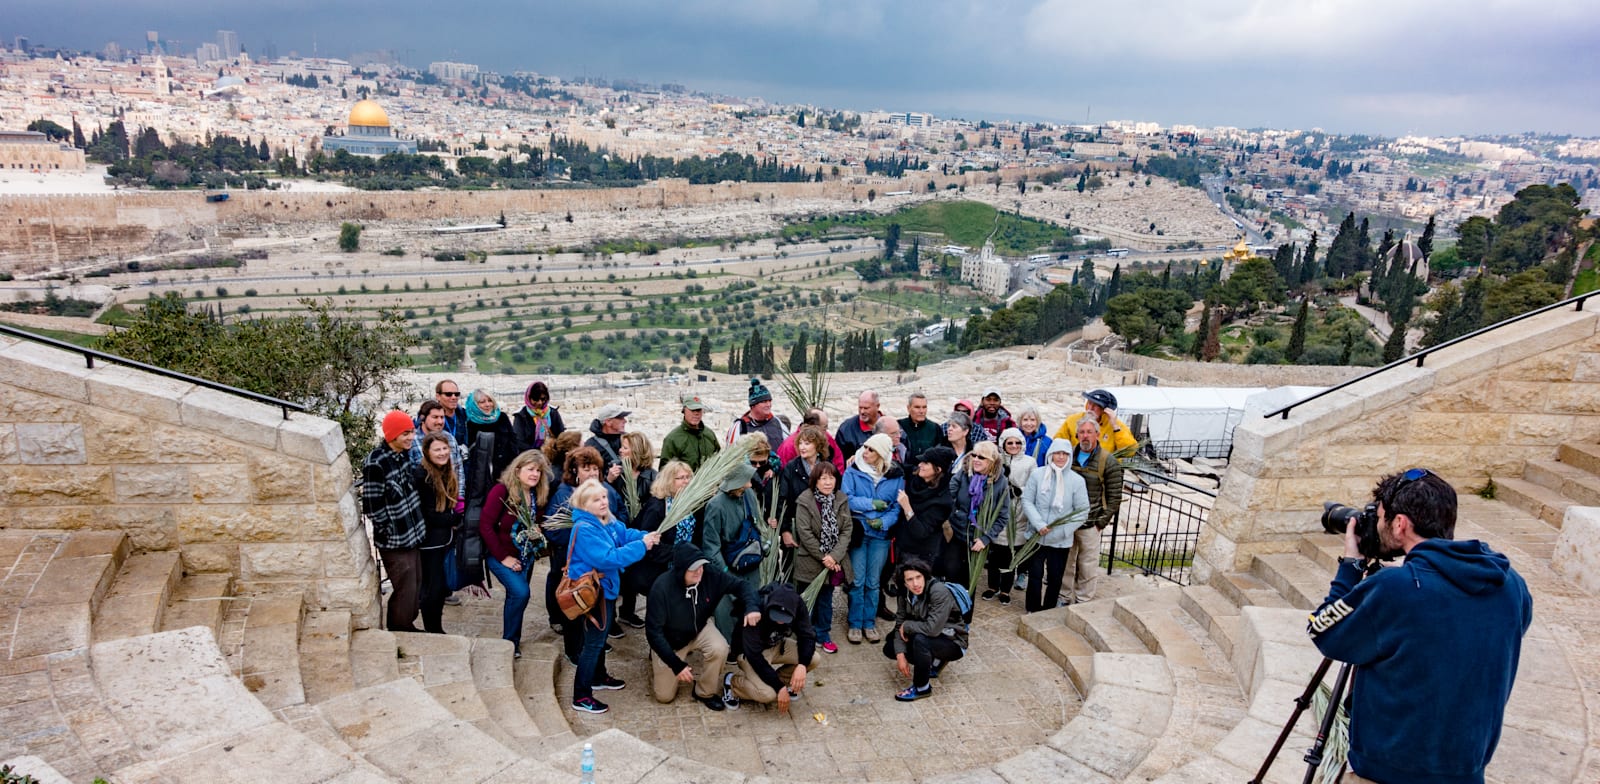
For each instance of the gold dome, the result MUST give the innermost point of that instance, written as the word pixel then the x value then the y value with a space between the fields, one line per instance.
pixel 369 114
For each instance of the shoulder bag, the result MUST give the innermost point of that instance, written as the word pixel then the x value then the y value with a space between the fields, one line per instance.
pixel 577 597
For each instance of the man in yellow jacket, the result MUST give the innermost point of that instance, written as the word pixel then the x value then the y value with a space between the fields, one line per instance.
pixel 1102 406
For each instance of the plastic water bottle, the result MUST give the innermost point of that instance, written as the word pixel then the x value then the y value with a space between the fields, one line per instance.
pixel 586 775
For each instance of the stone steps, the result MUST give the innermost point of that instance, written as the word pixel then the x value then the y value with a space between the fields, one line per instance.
pixel 374 657
pixel 137 601
pixel 191 719
pixel 325 670
pixel 1536 499
pixel 57 609
pixel 400 728
pixel 199 600
pixel 1581 486
pixel 268 661
pixel 1298 580
pixel 1048 632
pixel 1214 612
pixel 534 677
pixel 1581 456
pixel 1243 589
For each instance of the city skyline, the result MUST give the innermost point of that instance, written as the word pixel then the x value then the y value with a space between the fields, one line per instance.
pixel 1392 68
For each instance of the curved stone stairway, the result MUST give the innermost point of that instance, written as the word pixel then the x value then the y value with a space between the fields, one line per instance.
pixel 118 665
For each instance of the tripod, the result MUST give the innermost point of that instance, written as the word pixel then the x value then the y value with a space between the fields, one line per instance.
pixel 1313 756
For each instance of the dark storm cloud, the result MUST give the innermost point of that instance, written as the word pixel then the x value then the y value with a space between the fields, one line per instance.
pixel 1390 66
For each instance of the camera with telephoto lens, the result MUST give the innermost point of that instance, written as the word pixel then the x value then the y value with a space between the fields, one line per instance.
pixel 1336 517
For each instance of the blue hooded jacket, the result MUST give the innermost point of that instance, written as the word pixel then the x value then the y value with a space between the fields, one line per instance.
pixel 607 547
pixel 1435 643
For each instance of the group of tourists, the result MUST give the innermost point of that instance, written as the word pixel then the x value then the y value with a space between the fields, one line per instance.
pixel 909 509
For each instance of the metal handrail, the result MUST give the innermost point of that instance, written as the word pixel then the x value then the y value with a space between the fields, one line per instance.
pixel 90 355
pixel 1423 354
pixel 1178 543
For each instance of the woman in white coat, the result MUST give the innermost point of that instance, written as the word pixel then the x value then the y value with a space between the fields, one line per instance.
pixel 1056 503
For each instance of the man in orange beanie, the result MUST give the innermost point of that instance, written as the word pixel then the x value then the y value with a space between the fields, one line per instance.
pixel 391 503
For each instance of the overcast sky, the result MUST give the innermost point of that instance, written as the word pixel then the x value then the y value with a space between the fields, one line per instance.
pixel 1376 66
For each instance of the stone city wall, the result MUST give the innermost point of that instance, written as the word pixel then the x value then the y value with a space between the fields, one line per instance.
pixel 1476 410
pixel 228 483
pixel 48 230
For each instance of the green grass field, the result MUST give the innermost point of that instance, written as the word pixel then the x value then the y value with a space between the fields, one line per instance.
pixel 961 222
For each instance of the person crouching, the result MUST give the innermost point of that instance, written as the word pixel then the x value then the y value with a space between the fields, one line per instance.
pixel 928 630
pixel 685 645
pixel 766 645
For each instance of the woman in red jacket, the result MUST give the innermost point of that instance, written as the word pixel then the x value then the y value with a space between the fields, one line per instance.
pixel 512 513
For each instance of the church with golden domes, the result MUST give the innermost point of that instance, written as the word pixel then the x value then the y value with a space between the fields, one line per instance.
pixel 368 133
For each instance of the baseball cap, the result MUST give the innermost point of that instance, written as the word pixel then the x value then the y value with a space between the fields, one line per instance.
pixel 612 411
pixel 692 402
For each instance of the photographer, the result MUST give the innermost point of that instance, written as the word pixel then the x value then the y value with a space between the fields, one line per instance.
pixel 1435 641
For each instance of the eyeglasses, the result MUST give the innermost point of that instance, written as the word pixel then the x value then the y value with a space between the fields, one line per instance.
pixel 450 394
pixel 1413 475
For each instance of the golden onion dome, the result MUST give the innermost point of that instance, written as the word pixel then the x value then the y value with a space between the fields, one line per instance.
pixel 369 114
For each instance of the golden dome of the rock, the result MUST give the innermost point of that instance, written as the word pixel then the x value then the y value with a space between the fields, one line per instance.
pixel 369 114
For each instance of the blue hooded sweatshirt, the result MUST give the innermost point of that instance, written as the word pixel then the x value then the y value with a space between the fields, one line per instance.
pixel 1435 643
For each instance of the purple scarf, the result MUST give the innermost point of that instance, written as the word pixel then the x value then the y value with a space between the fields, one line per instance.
pixel 975 488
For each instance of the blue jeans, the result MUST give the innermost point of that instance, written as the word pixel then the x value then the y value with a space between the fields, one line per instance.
pixel 516 584
pixel 822 614
pixel 867 563
pixel 592 659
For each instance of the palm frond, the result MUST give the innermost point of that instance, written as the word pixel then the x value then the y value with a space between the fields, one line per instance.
pixel 814 590
pixel 1028 548
pixel 630 488
pixel 1338 746
pixel 805 394
pixel 988 512
pixel 707 482
pixel 772 561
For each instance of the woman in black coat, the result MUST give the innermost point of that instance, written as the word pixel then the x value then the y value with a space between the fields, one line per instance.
pixel 925 506
pixel 491 446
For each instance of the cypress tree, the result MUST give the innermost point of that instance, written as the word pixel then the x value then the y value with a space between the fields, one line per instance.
pixel 702 357
pixel 1200 331
pixel 1297 336
pixel 1426 243
pixel 1308 262
pixel 1213 345
pixel 797 354
pixel 1395 347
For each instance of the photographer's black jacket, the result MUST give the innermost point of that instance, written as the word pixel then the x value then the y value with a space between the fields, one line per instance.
pixel 1436 642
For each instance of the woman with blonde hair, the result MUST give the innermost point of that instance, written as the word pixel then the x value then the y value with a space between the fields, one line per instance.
pixel 980 509
pixel 512 514
pixel 600 543
pixel 637 579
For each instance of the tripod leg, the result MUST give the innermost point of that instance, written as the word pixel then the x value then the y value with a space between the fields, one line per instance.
pixel 1314 754
pixel 1301 703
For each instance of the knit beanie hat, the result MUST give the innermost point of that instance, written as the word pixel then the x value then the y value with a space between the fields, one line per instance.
pixel 940 457
pixel 881 444
pixel 758 393
pixel 394 423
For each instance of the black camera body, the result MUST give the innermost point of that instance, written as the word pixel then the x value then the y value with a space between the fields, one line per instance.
pixel 1336 517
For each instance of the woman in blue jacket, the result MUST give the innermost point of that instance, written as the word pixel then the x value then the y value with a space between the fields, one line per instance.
pixel 600 543
pixel 873 503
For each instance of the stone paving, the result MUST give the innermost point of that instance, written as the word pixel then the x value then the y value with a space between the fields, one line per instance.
pixel 1002 699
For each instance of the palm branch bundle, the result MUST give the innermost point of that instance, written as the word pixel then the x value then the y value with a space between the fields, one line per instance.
pixel 707 482
pixel 815 588
pixel 771 561
pixel 988 512
pixel 630 488
pixel 1337 749
pixel 803 395
pixel 1028 548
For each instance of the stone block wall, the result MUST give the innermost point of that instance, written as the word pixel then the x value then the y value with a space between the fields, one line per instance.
pixel 226 482
pixel 1476 410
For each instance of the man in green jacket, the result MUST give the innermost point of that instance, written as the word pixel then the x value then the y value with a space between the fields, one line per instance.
pixel 692 442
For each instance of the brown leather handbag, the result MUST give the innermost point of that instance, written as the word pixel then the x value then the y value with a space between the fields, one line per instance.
pixel 577 597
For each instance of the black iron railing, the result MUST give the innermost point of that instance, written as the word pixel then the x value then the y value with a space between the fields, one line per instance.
pixel 1421 356
pixel 1157 529
pixel 90 355
pixel 1188 449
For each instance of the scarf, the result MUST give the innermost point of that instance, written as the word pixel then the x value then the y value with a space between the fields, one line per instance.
pixel 830 522
pixel 861 464
pixel 975 488
pixel 475 415
pixel 1060 495
pixel 684 531
pixel 541 422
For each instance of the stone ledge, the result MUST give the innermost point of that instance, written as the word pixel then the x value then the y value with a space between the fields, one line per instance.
pixel 233 417
pixel 1577 555
pixel 46 370
pixel 311 438
pixel 145 395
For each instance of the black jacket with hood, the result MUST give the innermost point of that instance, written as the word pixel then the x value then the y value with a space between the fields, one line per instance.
pixel 675 614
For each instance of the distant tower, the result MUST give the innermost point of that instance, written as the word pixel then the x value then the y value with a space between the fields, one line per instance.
pixel 228 43
pixel 152 42
pixel 163 86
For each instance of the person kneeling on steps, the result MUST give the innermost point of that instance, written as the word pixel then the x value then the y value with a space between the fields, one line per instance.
pixel 685 645
pixel 767 646
pixel 928 630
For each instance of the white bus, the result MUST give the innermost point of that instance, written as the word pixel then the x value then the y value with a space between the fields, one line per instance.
pixel 1117 253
